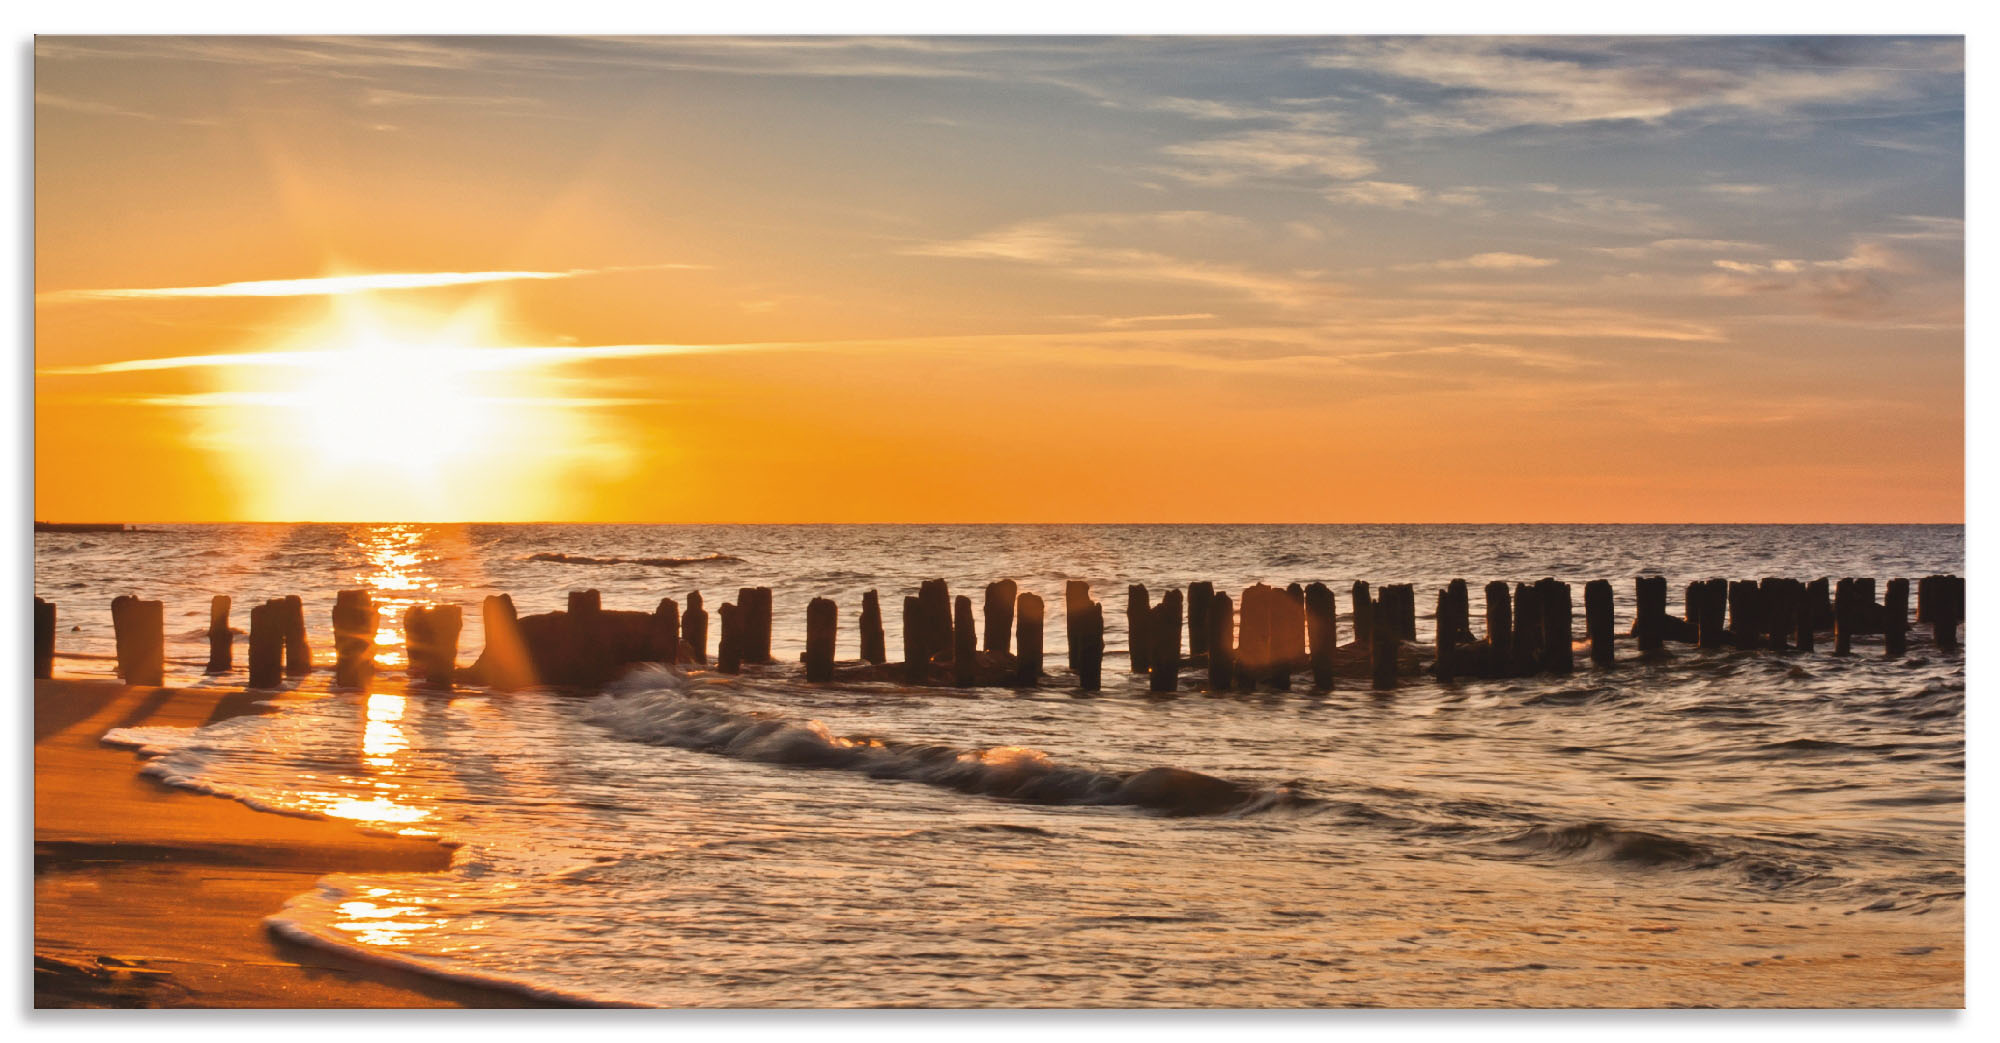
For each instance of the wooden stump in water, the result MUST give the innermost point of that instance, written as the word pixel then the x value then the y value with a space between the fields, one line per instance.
pixel 964 644
pixel 1775 595
pixel 1364 613
pixel 1000 598
pixel 1526 654
pixel 1499 620
pixel 663 636
pixel 267 644
pixel 505 659
pixel 1941 603
pixel 45 639
pixel 430 633
pixel 1028 613
pixel 694 627
pixel 298 655
pixel 822 627
pixel 1819 598
pixel 916 661
pixel 1598 624
pixel 1744 611
pixel 1382 647
pixel 1649 623
pixel 1290 643
pixel 1163 647
pixel 1447 637
pixel 1221 620
pixel 221 645
pixel 1558 627
pixel 1402 597
pixel 140 632
pixel 934 622
pixel 729 650
pixel 1801 617
pixel 355 624
pixel 1843 617
pixel 1253 639
pixel 1322 633
pixel 874 647
pixel 1896 618
pixel 1199 595
pixel 1087 648
pixel 1710 632
pixel 753 604
pixel 1138 608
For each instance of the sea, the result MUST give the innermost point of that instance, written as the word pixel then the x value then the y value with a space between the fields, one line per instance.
pixel 1663 833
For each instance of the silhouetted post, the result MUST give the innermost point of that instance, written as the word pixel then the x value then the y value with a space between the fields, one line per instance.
pixel 1163 651
pixel 1382 643
pixel 1775 595
pixel 1253 640
pixel 1028 612
pixel 753 605
pixel 1743 613
pixel 1558 627
pixel 505 657
pixel 1945 609
pixel 1322 633
pixel 355 624
pixel 663 632
pixel 1137 610
pixel 1649 624
pixel 267 644
pixel 1527 651
pixel 1843 617
pixel 1364 614
pixel 140 630
pixel 1447 637
pixel 964 644
pixel 430 633
pixel 1896 618
pixel 1820 599
pixel 1291 631
pixel 822 626
pixel 1499 621
pixel 916 658
pixel 45 639
pixel 221 648
pixel 934 617
pixel 694 627
pixel 1199 596
pixel 1597 621
pixel 1709 626
pixel 1221 619
pixel 874 647
pixel 746 625
pixel 1087 654
pixel 1865 608
pixel 1801 616
pixel 729 650
pixel 298 656
pixel 1000 598
pixel 582 615
pixel 1406 611
pixel 1697 596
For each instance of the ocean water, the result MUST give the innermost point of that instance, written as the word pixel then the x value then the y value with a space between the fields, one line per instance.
pixel 1727 828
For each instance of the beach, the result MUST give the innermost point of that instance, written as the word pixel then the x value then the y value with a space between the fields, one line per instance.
pixel 146 896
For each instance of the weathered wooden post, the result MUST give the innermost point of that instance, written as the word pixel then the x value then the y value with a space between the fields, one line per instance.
pixel 1163 647
pixel 753 604
pixel 964 644
pixel 1447 636
pixel 1649 623
pixel 1558 627
pixel 1253 639
pixel 1499 622
pixel 221 647
pixel 1322 633
pixel 45 639
pixel 1865 608
pixel 1697 596
pixel 663 632
pixel 505 658
pixel 694 627
pixel 1896 618
pixel 1843 617
pixel 355 624
pixel 822 626
pixel 1406 611
pixel 935 620
pixel 1028 613
pixel 1382 645
pixel 1291 631
pixel 874 647
pixel 430 633
pixel 916 657
pixel 1597 620
pixel 1801 616
pixel 139 628
pixel 1709 632
pixel 1000 598
pixel 582 617
pixel 1743 613
pixel 1221 619
pixel 1526 654
pixel 1945 609
pixel 1775 595
pixel 1087 649
pixel 1139 634
pixel 1199 595
pixel 1364 614
pixel 1820 599
pixel 298 655
pixel 267 644
pixel 729 650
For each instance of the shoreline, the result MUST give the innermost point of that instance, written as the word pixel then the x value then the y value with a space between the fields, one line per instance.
pixel 151 896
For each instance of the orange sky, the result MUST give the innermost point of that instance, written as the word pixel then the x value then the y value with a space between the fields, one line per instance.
pixel 990 280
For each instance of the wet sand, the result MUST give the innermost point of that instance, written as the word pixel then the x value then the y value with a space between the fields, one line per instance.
pixel 147 896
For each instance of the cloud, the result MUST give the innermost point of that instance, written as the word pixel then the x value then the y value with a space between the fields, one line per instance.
pixel 333 285
pixel 461 360
pixel 1860 285
pixel 1272 153
pixel 1494 261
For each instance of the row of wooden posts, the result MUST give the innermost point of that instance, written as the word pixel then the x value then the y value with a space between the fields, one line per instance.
pixel 1257 641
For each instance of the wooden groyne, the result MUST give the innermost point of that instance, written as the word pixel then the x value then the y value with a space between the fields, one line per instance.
pixel 1200 637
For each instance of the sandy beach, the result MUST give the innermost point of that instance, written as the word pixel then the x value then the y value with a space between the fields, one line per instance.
pixel 146 896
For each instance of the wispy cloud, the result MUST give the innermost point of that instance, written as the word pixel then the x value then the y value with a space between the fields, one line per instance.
pixel 1498 260
pixel 333 285
pixel 457 359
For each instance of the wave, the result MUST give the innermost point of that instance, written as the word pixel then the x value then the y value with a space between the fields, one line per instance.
pixel 580 559
pixel 1601 842
pixel 652 705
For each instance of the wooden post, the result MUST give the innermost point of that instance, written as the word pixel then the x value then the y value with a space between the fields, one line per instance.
pixel 1087 653
pixel 1406 611
pixel 694 627
pixel 1028 612
pixel 1820 599
pixel 1499 622
pixel 1775 595
pixel 1801 616
pixel 1291 631
pixel 1221 619
pixel 1649 623
pixel 139 629
pixel 1843 617
pixel 267 644
pixel 1364 614
pixel 1322 633
pixel 916 657
pixel 1163 647
pixel 934 618
pixel 729 650
pixel 1447 636
pixel 1000 598
pixel 1865 608
pixel 1558 627
pixel 1947 610
pixel 1896 618
pixel 45 639
pixel 221 647
pixel 1139 633
pixel 1253 640
pixel 964 644
pixel 874 648
pixel 298 655
pixel 822 626
pixel 430 632
pixel 355 623
pixel 1697 596
pixel 1743 613
pixel 1526 654
pixel 1200 595
pixel 1597 620
pixel 753 606
pixel 583 616
pixel 1382 645
pixel 1709 626
pixel 663 634
pixel 505 657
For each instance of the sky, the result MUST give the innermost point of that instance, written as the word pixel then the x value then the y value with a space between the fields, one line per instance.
pixel 1284 279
